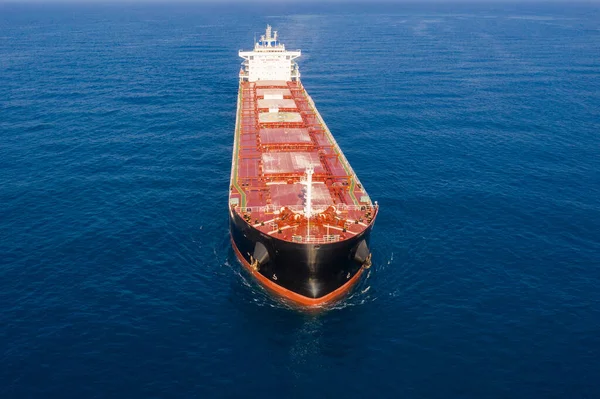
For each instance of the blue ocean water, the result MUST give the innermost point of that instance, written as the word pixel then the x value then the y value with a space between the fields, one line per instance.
pixel 476 128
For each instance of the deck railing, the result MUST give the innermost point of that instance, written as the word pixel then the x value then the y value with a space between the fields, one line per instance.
pixel 340 208
pixel 316 240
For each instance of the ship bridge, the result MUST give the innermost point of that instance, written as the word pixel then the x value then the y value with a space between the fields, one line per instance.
pixel 269 60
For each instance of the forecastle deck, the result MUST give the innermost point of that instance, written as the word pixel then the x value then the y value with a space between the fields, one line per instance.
pixel 280 135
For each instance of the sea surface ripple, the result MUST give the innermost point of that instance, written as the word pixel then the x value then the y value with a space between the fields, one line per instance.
pixel 475 127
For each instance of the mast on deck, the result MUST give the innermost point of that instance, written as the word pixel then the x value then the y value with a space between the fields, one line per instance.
pixel 308 197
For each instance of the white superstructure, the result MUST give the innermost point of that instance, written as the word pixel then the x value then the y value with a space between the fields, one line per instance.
pixel 269 60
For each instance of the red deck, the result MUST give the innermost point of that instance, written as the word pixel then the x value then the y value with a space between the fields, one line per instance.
pixel 279 134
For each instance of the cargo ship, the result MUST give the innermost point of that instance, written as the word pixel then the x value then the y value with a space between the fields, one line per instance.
pixel 300 220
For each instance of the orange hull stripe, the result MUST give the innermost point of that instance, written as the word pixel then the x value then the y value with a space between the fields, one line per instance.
pixel 300 299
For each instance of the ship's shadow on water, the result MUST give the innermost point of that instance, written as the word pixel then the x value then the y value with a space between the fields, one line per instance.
pixel 301 334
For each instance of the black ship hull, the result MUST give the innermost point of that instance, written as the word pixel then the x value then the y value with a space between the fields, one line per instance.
pixel 309 273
